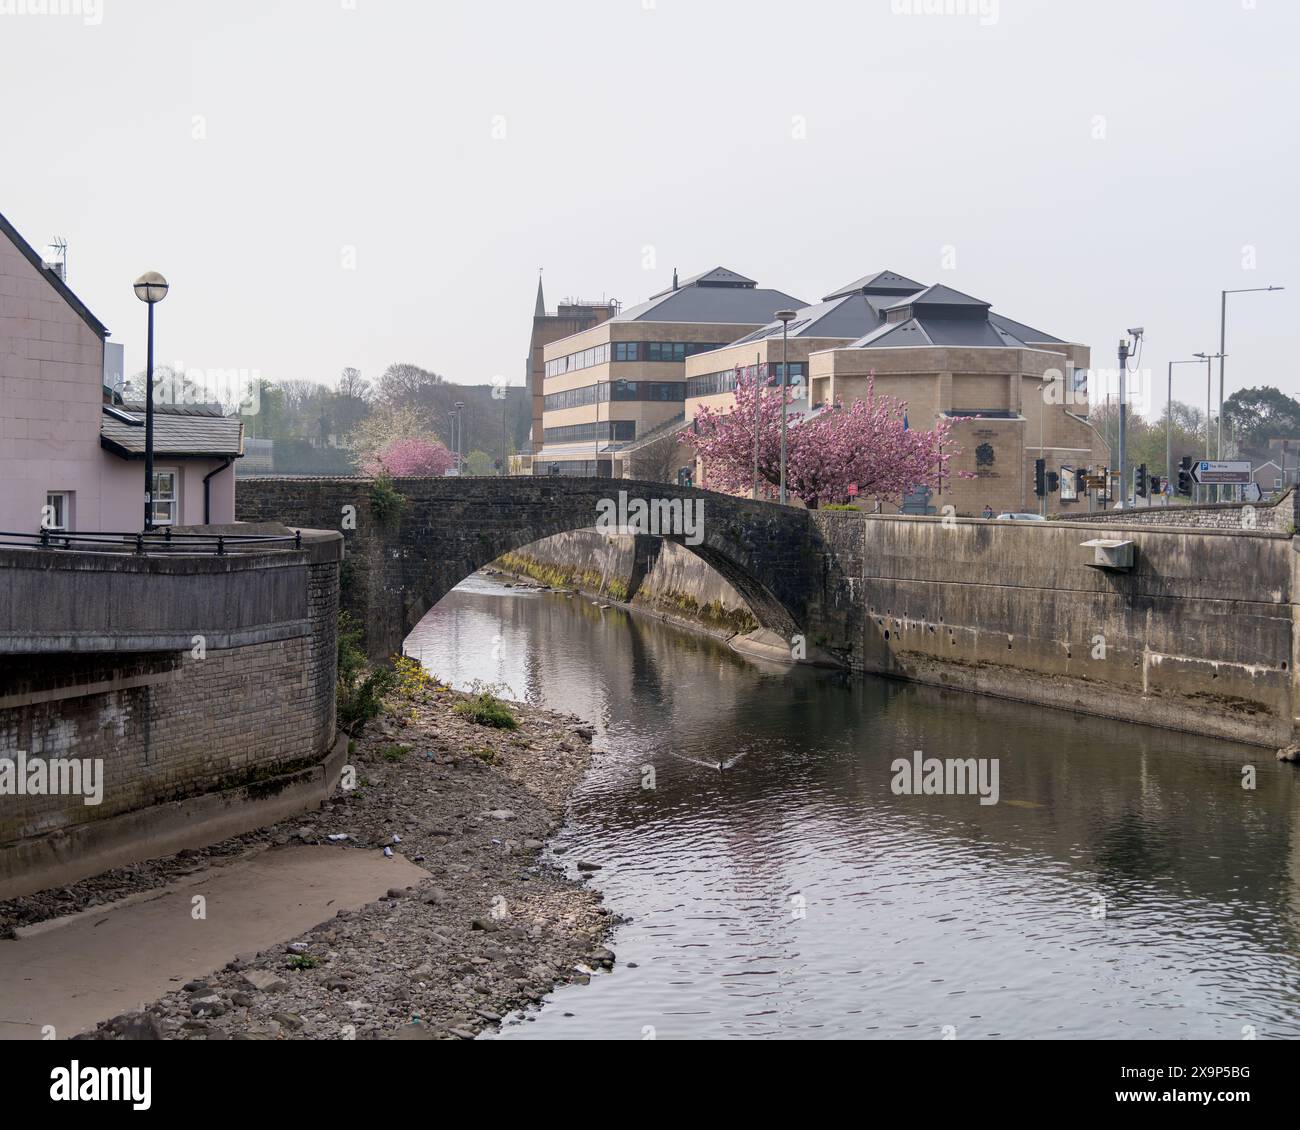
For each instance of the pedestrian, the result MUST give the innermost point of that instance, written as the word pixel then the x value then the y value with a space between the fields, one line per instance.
pixel 988 511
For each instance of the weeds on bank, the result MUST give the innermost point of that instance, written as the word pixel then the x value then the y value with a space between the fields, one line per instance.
pixel 361 687
pixel 486 709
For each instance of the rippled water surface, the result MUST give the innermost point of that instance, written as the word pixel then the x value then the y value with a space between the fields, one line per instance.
pixel 1124 886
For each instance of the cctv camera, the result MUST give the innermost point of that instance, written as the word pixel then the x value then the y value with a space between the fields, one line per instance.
pixel 1138 332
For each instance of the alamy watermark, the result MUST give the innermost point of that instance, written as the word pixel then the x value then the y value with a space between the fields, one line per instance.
pixel 953 776
pixel 662 517
pixel 56 776
pixel 90 11
pixel 985 10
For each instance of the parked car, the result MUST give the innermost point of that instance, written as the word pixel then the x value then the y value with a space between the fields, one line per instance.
pixel 1019 517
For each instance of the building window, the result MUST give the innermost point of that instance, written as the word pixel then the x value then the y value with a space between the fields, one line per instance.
pixel 580 433
pixel 1277 484
pixel 58 511
pixel 166 505
pixel 675 351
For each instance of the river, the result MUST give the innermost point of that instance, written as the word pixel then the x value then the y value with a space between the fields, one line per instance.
pixel 1124 886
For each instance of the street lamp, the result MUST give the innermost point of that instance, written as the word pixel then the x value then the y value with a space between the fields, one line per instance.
pixel 1208 358
pixel 150 288
pixel 1223 345
pixel 1169 415
pixel 785 317
pixel 460 431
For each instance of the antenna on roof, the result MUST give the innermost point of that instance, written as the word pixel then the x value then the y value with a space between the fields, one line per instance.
pixel 58 266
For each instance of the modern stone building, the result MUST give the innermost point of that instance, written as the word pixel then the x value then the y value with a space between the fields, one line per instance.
pixel 610 386
pixel 1008 390
pixel 1012 394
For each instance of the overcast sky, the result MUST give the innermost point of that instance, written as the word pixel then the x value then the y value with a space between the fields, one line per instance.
pixel 355 182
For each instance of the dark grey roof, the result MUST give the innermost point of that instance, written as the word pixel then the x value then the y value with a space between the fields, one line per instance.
pixel 848 317
pixel 938 329
pixel 940 295
pixel 1022 331
pixel 178 431
pixel 65 292
pixel 718 296
pixel 881 283
pixel 719 276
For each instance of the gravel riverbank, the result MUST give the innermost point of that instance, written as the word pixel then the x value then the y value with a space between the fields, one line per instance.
pixel 492 929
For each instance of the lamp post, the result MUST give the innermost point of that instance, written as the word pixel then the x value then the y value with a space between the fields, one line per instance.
pixel 1223 345
pixel 1169 416
pixel 785 317
pixel 1208 358
pixel 150 288
pixel 460 432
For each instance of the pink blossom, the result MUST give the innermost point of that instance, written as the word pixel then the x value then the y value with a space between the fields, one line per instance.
pixel 866 445
pixel 412 458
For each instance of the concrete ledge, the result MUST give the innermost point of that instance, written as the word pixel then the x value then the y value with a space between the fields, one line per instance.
pixel 63 857
pixel 151 641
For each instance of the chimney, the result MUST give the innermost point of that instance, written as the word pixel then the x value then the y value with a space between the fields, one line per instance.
pixel 674 278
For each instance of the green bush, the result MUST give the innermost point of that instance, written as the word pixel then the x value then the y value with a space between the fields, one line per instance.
pixel 361 688
pixel 486 709
pixel 840 506
pixel 386 502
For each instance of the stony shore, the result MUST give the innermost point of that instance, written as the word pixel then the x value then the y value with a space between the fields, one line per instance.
pixel 491 930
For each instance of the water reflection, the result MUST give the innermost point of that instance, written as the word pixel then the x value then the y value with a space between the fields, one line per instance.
pixel 1125 885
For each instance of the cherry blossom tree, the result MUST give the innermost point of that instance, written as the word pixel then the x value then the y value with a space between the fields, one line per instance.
pixel 414 457
pixel 866 445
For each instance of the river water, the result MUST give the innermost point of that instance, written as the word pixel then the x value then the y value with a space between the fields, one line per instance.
pixel 1125 885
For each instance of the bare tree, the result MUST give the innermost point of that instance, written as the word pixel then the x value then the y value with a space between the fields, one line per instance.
pixel 352 385
pixel 658 460
pixel 405 385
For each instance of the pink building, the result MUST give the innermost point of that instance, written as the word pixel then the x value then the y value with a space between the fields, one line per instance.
pixel 71 458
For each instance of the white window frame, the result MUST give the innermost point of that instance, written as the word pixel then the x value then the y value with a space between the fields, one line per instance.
pixel 65 497
pixel 174 501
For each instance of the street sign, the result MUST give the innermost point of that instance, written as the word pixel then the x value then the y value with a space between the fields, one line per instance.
pixel 1222 471
pixel 1252 493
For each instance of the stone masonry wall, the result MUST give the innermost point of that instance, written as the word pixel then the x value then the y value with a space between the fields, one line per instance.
pixel 170 725
pixel 1278 517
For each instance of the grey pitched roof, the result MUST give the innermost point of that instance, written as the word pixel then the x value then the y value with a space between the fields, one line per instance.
pixel 65 292
pixel 881 283
pixel 940 295
pixel 848 317
pixel 178 431
pixel 719 296
pixel 937 329
pixel 1022 331
pixel 718 276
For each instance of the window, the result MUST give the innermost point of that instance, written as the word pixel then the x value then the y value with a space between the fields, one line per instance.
pixel 58 511
pixel 166 504
pixel 1277 484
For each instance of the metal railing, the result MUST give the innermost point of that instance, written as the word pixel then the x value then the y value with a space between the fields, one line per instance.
pixel 155 541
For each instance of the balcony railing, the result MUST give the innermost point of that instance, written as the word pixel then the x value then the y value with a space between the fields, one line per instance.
pixel 154 542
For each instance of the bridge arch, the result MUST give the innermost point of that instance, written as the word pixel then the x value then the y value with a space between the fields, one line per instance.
pixel 401 559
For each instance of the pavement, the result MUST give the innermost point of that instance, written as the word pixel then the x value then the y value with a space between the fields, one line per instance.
pixel 68 974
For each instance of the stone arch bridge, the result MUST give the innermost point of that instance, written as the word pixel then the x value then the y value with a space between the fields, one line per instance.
pixel 403 557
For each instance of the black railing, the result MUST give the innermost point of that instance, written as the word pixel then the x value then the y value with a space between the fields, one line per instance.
pixel 155 541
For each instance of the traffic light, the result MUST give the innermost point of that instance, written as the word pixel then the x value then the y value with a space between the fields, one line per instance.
pixel 1053 482
pixel 1141 480
pixel 1040 477
pixel 1185 476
